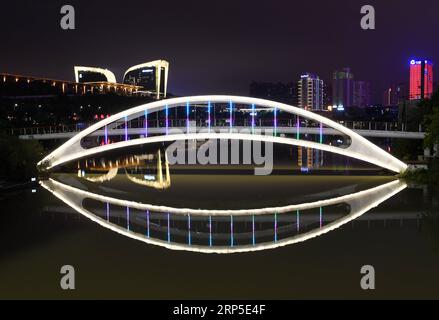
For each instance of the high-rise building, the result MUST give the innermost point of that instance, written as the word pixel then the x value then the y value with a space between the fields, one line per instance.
pixel 310 92
pixel 421 79
pixel 362 94
pixel 395 94
pixel 342 88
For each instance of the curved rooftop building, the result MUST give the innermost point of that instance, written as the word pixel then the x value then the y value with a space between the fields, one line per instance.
pixel 92 74
pixel 152 76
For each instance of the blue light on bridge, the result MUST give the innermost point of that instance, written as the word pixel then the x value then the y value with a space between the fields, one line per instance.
pixel 275 227
pixel 298 221
pixel 147 223
pixel 321 132
pixel 253 117
pixel 108 211
pixel 297 127
pixel 321 216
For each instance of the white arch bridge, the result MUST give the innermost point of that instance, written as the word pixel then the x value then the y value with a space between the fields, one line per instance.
pixel 118 133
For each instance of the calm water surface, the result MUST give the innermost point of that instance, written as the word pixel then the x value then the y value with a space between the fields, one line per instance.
pixel 128 251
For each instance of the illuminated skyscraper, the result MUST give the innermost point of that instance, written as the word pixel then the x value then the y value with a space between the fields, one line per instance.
pixel 342 88
pixel 421 79
pixel 310 92
pixel 362 94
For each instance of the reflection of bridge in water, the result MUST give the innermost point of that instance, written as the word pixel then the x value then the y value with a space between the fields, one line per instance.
pixel 222 231
pixel 239 122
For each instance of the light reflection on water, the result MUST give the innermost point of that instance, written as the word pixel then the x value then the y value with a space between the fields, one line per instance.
pixel 279 226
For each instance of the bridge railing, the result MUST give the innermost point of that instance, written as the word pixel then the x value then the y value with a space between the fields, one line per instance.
pixel 156 123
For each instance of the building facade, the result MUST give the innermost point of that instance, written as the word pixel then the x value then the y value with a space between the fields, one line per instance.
pixel 151 76
pixel 362 94
pixel 421 79
pixel 310 92
pixel 92 74
pixel 395 94
pixel 342 88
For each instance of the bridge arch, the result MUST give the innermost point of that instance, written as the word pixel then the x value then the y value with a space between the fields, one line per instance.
pixel 359 147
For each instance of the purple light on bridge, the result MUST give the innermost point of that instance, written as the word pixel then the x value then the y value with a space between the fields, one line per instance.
pixel 298 220
pixel 126 128
pixel 275 121
pixel 108 211
pixel 187 117
pixel 298 128
pixel 189 228
pixel 231 231
pixel 128 218
pixel 231 115
pixel 208 115
pixel 146 123
pixel 106 135
pixel 275 227
pixel 166 118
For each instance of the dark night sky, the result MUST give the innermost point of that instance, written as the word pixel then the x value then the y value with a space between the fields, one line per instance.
pixel 220 46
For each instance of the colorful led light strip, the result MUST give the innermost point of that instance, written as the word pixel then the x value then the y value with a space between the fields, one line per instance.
pixel 231 231
pixel 187 117
pixel 231 115
pixel 169 228
pixel 253 230
pixel 321 132
pixel 321 216
pixel 147 223
pixel 166 119
pixel 210 231
pixel 189 229
pixel 106 135
pixel 126 128
pixel 208 115
pixel 128 218
pixel 146 123
pixel 253 117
